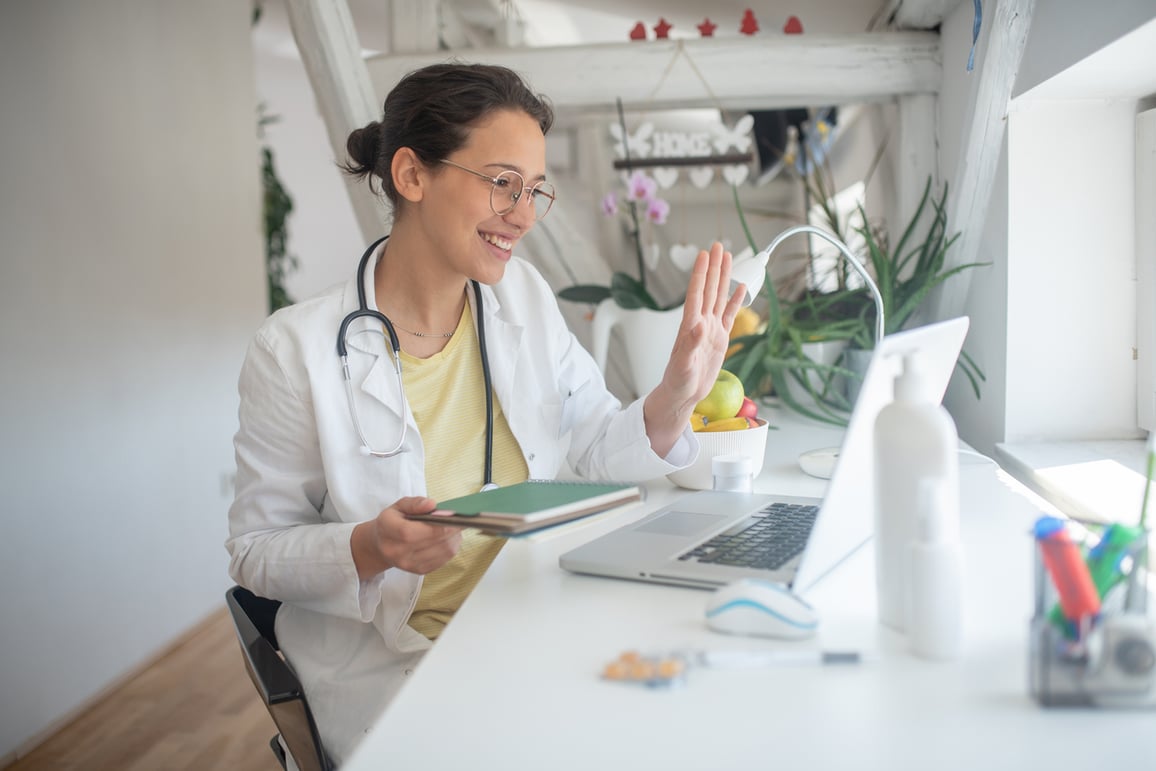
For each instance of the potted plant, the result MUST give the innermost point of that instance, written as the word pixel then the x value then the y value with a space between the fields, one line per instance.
pixel 624 289
pixel 905 276
pixel 649 328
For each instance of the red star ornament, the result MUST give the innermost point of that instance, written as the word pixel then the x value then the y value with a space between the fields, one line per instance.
pixel 706 29
pixel 749 24
pixel 638 32
pixel 662 29
pixel 793 26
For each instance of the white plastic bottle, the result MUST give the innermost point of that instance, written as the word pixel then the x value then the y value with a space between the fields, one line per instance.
pixel 935 587
pixel 915 444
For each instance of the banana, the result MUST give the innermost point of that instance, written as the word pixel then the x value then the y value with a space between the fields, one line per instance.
pixel 698 421
pixel 727 424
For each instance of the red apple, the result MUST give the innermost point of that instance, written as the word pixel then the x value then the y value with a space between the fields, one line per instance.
pixel 748 409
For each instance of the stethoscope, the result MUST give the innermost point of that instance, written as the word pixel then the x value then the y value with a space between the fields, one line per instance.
pixel 363 310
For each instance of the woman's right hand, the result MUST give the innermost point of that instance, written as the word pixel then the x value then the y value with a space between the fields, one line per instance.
pixel 391 541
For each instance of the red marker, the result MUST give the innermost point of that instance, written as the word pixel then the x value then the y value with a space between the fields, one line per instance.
pixel 1068 570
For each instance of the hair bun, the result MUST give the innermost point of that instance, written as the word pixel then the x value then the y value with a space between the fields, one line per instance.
pixel 363 146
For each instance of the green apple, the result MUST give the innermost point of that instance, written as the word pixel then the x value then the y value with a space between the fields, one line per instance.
pixel 725 397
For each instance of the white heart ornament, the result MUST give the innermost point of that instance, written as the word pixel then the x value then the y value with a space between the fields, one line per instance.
pixel 700 176
pixel 735 175
pixel 665 177
pixel 650 256
pixel 683 255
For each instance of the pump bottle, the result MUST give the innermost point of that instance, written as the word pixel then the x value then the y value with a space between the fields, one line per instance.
pixel 916 460
pixel 935 586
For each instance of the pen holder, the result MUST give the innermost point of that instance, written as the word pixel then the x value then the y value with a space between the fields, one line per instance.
pixel 1107 659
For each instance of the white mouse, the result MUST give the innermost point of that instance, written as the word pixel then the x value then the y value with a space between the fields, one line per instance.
pixel 754 607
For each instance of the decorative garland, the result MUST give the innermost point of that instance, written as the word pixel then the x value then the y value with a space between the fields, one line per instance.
pixel 748 25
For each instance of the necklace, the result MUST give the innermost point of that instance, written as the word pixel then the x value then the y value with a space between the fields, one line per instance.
pixel 423 334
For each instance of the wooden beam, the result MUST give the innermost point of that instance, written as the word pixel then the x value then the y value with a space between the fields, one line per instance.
pixel 749 73
pixel 329 49
pixel 983 142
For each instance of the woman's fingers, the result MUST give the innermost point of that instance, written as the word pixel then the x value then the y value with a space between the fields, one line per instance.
pixel 711 283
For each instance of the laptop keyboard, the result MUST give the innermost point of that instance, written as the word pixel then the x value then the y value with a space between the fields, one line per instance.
pixel 767 541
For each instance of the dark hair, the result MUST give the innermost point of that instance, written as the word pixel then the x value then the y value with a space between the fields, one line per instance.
pixel 431 111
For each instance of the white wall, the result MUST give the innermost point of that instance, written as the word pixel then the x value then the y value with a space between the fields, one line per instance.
pixel 131 277
pixel 1011 316
pixel 1072 323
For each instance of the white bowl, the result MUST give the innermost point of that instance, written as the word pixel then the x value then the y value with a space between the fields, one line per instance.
pixel 751 442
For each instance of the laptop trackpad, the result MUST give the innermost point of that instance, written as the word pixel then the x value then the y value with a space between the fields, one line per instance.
pixel 680 523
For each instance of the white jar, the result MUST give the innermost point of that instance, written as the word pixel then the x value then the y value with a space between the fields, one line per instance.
pixel 916 444
pixel 732 473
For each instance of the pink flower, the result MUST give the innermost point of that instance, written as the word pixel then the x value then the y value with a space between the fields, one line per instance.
pixel 610 204
pixel 641 187
pixel 657 211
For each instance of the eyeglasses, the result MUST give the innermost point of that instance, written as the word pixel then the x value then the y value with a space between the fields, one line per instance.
pixel 507 189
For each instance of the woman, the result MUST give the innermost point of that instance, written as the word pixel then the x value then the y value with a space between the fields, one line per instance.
pixel 318 520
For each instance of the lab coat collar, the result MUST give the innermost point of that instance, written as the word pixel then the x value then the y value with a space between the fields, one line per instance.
pixel 366 338
pixel 370 363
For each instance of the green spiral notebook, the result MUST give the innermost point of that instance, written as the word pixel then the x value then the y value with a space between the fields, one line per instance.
pixel 532 505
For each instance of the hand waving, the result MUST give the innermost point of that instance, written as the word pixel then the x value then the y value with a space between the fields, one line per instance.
pixel 698 351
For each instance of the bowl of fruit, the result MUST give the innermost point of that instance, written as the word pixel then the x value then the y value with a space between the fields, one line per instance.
pixel 726 422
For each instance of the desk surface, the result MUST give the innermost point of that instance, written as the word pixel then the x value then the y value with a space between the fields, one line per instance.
pixel 513 683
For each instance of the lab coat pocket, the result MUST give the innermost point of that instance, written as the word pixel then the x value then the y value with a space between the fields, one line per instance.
pixel 552 418
pixel 570 412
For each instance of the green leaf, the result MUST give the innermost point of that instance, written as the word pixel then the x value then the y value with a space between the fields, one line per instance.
pixel 629 292
pixel 585 293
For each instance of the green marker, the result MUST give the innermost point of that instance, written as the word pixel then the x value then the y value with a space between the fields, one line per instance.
pixel 1104 559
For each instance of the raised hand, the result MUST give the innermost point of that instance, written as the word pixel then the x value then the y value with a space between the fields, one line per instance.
pixel 698 351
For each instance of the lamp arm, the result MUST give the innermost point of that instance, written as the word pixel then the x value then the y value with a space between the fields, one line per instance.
pixel 855 263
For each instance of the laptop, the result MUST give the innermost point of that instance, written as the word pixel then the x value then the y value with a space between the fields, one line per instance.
pixel 708 539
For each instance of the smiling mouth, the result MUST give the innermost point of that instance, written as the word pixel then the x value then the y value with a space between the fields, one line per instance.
pixel 498 241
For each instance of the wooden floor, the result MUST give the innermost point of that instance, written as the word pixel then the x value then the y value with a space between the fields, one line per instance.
pixel 194 709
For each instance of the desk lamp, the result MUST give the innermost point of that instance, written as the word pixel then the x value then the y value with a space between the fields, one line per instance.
pixel 752 272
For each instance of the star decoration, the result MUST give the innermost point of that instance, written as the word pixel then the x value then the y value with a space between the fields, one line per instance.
pixel 707 28
pixel 749 25
pixel 662 29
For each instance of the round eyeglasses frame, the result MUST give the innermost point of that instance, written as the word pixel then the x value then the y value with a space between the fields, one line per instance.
pixel 505 182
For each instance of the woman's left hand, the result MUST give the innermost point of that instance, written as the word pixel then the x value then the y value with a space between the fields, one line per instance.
pixel 699 349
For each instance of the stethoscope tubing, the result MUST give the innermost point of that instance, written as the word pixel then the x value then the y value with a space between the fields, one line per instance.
pixel 364 311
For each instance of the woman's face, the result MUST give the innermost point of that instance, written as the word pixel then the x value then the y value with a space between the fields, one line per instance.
pixel 465 231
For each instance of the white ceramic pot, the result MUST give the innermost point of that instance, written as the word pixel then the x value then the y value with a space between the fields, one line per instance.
pixel 827 353
pixel 648 336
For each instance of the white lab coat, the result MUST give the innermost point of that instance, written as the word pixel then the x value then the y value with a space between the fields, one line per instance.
pixel 302 483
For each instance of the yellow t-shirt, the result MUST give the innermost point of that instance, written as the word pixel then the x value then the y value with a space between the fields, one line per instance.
pixel 447 397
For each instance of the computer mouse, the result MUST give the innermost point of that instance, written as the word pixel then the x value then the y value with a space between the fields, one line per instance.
pixel 751 606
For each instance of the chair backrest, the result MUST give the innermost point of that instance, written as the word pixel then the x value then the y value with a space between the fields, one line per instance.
pixel 278 686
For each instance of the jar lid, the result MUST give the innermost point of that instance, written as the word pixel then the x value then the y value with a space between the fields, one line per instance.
pixel 731 465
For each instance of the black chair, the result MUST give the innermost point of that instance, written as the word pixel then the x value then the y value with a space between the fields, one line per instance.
pixel 279 688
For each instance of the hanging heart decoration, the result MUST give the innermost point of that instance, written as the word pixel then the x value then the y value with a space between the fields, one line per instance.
pixel 665 176
pixel 736 175
pixel 683 255
pixel 650 256
pixel 700 176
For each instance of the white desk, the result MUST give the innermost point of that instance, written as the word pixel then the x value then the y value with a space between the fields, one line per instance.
pixel 513 683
